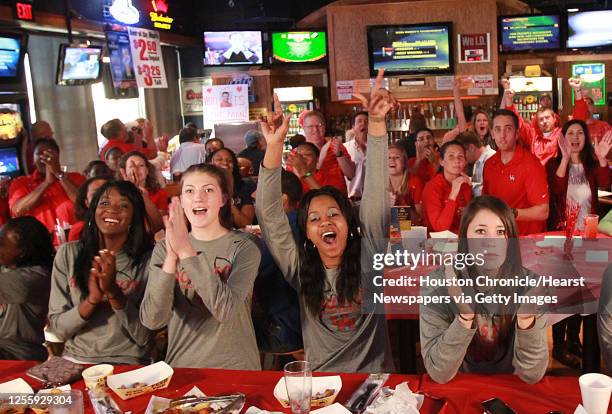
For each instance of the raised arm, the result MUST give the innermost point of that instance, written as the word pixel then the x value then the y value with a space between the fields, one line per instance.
pixel 272 219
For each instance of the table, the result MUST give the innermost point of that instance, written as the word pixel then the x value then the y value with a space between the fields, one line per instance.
pixel 463 394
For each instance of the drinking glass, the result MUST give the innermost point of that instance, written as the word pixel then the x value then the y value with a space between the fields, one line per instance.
pixel 590 226
pixel 298 380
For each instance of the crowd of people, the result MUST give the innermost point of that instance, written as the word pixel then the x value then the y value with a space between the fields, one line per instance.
pixel 108 262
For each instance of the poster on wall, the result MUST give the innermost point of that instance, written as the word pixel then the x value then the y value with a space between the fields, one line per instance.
pixel 122 66
pixel 593 76
pixel 225 104
pixel 191 95
pixel 148 59
pixel 474 48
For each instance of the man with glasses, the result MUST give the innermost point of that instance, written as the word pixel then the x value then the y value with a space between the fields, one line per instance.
pixel 334 161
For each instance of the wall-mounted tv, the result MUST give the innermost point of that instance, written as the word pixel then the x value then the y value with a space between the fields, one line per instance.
pixel 299 47
pixel 589 29
pixel 11 53
pixel 78 65
pixel 411 48
pixel 531 32
pixel 9 161
pixel 233 48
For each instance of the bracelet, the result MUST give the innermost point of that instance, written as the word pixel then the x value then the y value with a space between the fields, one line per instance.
pixel 308 174
pixel 466 320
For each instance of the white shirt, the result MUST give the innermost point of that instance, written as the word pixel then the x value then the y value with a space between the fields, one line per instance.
pixel 579 192
pixel 355 186
pixel 478 168
pixel 188 154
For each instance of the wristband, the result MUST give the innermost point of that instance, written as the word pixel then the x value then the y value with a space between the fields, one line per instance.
pixel 308 174
pixel 466 320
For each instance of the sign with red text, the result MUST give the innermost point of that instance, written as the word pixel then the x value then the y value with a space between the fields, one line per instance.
pixel 191 95
pixel 147 58
pixel 474 48
pixel 225 104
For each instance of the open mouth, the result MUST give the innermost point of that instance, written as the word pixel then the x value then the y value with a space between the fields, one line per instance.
pixel 575 145
pixel 329 237
pixel 198 211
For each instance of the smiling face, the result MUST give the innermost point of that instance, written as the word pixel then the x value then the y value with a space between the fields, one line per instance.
pixel 327 229
pixel 481 125
pixel 575 137
pixel 114 213
pixel 314 130
pixel 487 235
pixel 504 133
pixel 202 198
pixel 223 159
pixel 397 162
pixel 454 160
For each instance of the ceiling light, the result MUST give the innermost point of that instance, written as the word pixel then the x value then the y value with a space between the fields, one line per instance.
pixel 573 10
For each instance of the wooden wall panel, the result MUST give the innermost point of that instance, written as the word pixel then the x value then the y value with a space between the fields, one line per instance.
pixel 348 42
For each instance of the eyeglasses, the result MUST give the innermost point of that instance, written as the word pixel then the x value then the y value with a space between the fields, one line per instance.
pixel 314 126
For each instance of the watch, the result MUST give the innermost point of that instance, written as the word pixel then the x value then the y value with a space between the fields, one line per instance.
pixel 60 176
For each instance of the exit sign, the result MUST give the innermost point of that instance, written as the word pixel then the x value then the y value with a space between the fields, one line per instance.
pixel 24 10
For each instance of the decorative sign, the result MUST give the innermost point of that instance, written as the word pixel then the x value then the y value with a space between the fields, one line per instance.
pixel 124 12
pixel 593 76
pixel 344 90
pixel 121 63
pixel 159 16
pixel 147 56
pixel 474 48
pixel 24 10
pixel 482 81
pixel 191 95
pixel 225 104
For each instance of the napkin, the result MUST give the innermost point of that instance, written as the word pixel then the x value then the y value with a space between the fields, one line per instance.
pixel 335 408
pixel 400 401
pixel 580 410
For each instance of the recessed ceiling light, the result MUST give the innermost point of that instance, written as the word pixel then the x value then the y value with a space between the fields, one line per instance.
pixel 573 10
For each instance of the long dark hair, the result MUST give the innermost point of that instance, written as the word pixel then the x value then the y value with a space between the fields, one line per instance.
pixel 151 183
pixel 139 241
pixel 513 263
pixel 80 203
pixel 587 154
pixel 33 240
pixel 235 168
pixel 311 269
pixel 225 213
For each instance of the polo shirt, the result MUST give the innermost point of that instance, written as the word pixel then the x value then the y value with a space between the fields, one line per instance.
pixel 355 186
pixel 440 212
pixel 521 183
pixel 426 170
pixel 160 199
pixel 53 204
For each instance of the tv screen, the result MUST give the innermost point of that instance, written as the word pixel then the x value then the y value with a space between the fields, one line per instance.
pixel 11 124
pixel 233 48
pixel 411 49
pixel 299 47
pixel 533 32
pixel 9 161
pixel 78 65
pixel 591 29
pixel 10 55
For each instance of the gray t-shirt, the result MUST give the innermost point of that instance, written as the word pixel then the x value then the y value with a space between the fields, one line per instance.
pixel 339 338
pixel 24 300
pixel 110 335
pixel 208 312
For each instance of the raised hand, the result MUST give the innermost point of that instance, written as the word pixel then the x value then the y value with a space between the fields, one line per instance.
pixel 104 268
pixel 378 106
pixel 297 164
pixel 95 295
pixel 177 235
pixel 505 83
pixel 602 148
pixel 575 83
pixel 275 128
pixel 564 147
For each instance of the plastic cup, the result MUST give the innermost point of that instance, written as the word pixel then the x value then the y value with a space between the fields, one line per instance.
pixel 595 390
pixel 298 380
pixel 95 377
pixel 590 226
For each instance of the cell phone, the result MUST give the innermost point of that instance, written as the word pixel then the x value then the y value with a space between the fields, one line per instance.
pixel 496 406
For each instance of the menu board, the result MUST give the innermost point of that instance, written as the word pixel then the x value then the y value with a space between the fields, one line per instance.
pixel 148 59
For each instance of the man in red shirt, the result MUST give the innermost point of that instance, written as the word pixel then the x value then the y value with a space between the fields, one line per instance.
pixel 427 161
pixel 543 140
pixel 516 176
pixel 117 134
pixel 48 194
pixel 334 160
pixel 584 109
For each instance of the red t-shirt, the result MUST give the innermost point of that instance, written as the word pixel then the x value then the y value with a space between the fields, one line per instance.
pixel 330 173
pixel 160 199
pixel 75 230
pixel 426 171
pixel 440 212
pixel 124 147
pixel 521 183
pixel 413 194
pixel 544 148
pixel 53 204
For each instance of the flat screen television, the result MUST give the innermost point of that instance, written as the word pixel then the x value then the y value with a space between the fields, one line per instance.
pixel 530 32
pixel 9 161
pixel 411 48
pixel 299 47
pixel 233 48
pixel 78 65
pixel 589 29
pixel 11 54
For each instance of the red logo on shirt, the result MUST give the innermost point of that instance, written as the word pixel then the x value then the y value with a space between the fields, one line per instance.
pixel 128 286
pixel 222 268
pixel 183 280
